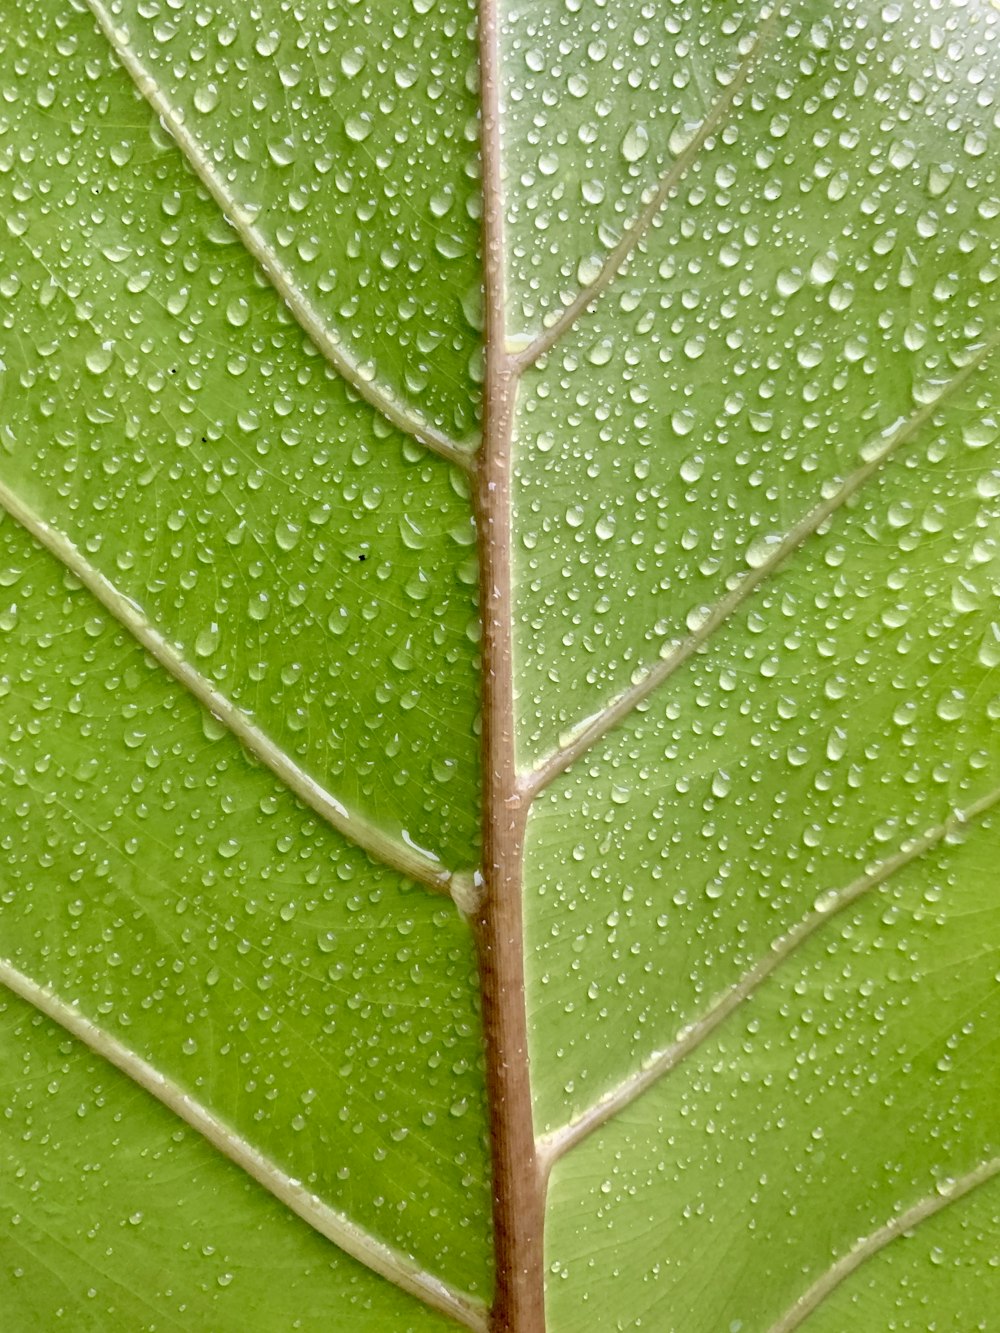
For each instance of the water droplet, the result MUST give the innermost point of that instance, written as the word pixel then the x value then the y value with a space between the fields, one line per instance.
pixel 100 358
pixel 635 145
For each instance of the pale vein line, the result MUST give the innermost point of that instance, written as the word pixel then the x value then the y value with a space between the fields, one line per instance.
pixel 669 182
pixel 282 279
pixel 869 1246
pixel 381 1258
pixel 555 1144
pixel 876 453
pixel 412 861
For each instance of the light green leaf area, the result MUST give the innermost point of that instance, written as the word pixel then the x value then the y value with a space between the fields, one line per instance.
pixel 811 737
pixel 941 1276
pixel 859 1081
pixel 164 412
pixel 818 274
pixel 347 138
pixel 752 268
pixel 113 1216
pixel 183 901
pixel 758 508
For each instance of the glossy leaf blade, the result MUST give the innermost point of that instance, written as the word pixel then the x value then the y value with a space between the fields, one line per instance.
pixel 472 464
pixel 166 414
pixel 761 549
pixel 177 896
pixel 115 1217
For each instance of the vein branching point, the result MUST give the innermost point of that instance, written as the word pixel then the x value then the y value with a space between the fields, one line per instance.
pixel 491 899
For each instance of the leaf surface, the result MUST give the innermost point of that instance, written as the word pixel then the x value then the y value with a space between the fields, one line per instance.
pixel 750 292
pixel 174 437
pixel 115 1217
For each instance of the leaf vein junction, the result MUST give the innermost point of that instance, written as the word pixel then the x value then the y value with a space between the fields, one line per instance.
pixel 875 453
pixel 329 1222
pixel 554 1145
pixel 309 318
pixel 382 846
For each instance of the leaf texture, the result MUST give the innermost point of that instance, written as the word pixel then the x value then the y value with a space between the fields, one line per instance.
pixel 113 1216
pixel 746 278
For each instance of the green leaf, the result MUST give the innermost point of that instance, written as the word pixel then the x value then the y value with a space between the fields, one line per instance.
pixel 497 497
pixel 114 1217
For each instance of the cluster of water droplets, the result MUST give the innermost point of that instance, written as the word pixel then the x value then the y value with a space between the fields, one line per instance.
pixel 349 140
pixel 187 903
pixel 166 414
pixel 770 411
pixel 114 1209
pixel 767 332
pixel 163 411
